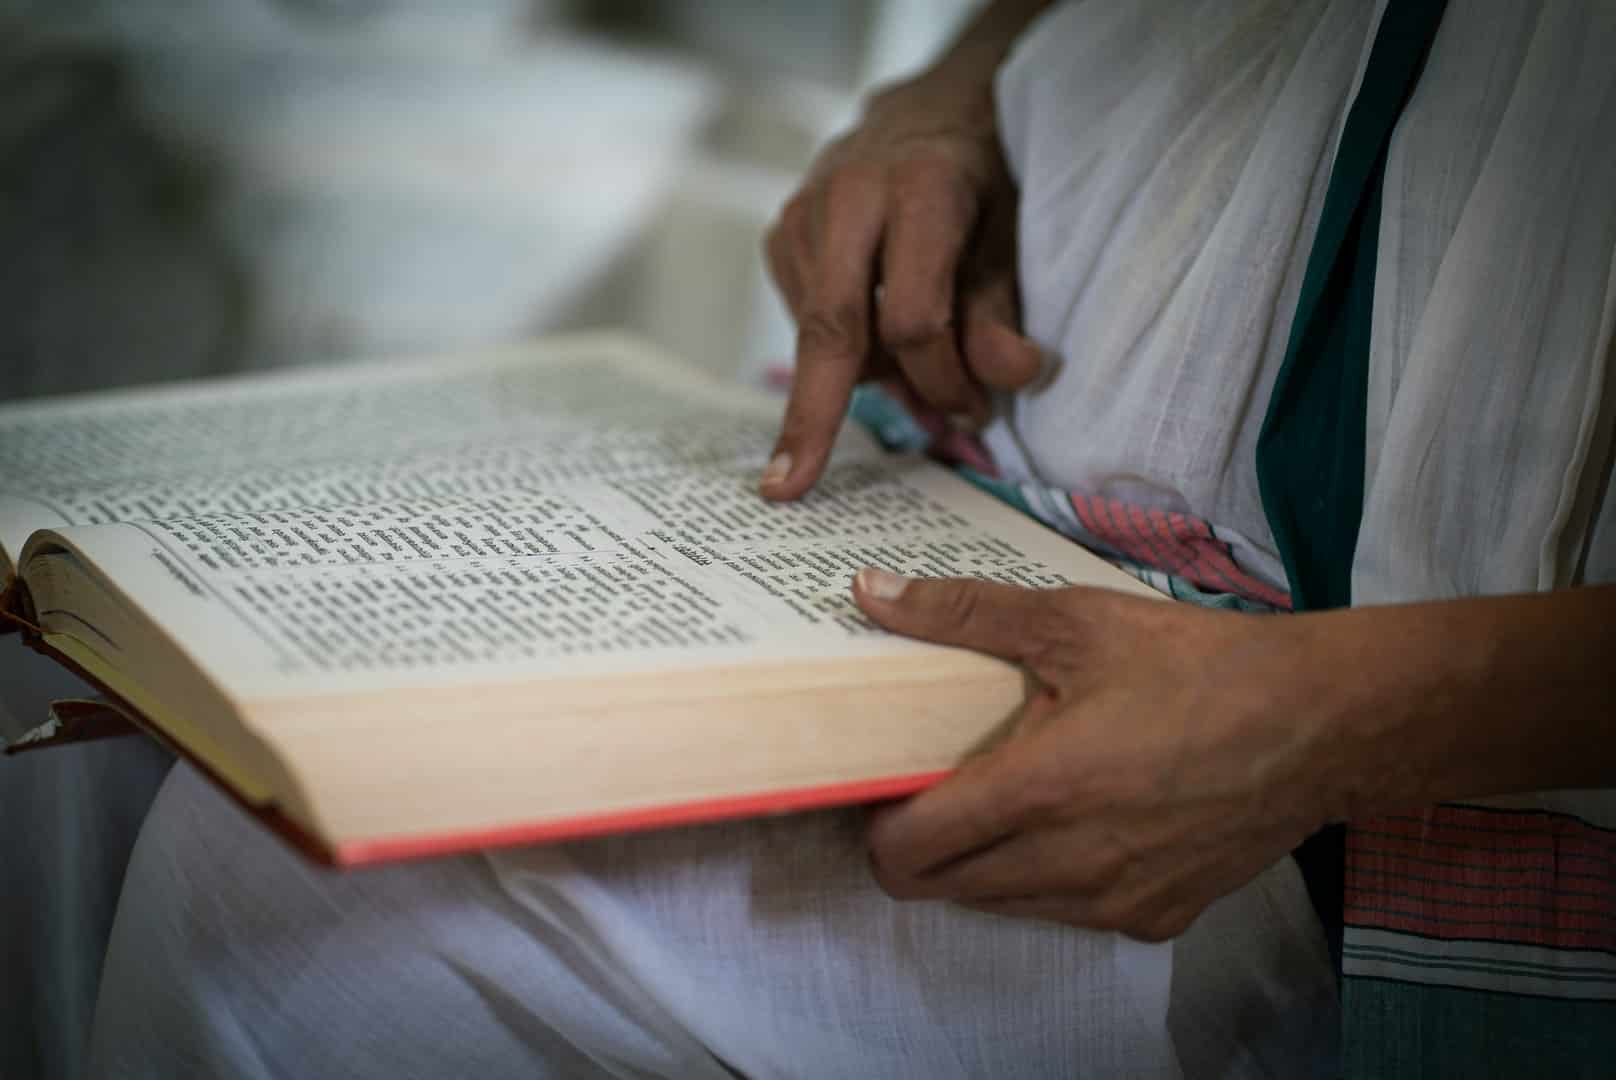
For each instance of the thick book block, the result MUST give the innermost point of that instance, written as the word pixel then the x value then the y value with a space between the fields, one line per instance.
pixel 412 608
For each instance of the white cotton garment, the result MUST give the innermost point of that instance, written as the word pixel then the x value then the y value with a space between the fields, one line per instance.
pixel 1173 158
pixel 1491 383
pixel 759 949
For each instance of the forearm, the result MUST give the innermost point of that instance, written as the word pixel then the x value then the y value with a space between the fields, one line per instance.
pixel 1463 699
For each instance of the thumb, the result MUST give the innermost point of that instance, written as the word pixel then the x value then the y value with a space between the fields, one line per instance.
pixel 1001 620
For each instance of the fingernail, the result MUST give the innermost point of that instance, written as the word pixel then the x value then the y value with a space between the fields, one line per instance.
pixel 881 584
pixel 778 468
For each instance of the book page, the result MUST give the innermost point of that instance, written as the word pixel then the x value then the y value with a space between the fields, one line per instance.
pixel 686 567
pixel 535 416
pixel 568 509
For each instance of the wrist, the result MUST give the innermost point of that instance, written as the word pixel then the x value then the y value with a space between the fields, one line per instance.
pixel 1364 716
pixel 942 98
pixel 1390 696
pixel 988 39
pixel 1423 703
pixel 961 79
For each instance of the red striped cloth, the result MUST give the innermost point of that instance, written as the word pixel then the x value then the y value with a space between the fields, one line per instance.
pixel 1176 543
pixel 1531 877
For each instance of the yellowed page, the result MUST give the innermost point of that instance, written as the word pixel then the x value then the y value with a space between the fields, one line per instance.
pixel 680 570
pixel 572 510
pixel 200 739
pixel 544 414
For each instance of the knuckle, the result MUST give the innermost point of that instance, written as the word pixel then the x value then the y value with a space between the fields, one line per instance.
pixel 1112 912
pixel 933 178
pixel 909 323
pixel 1102 915
pixel 1164 926
pixel 1054 632
pixel 897 885
pixel 1151 914
pixel 834 329
pixel 1046 655
pixel 853 180
pixel 959 605
pixel 983 817
pixel 1043 793
pixel 794 212
pixel 1107 869
pixel 1151 932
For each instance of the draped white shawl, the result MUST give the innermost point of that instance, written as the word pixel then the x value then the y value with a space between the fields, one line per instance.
pixel 1172 157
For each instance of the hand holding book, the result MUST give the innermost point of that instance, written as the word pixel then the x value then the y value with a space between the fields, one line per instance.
pixel 1155 766
pixel 1169 753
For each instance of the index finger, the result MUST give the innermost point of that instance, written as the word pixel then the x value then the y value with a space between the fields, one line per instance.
pixel 833 333
pixel 963 814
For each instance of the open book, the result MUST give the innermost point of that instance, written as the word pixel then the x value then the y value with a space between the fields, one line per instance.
pixel 414 608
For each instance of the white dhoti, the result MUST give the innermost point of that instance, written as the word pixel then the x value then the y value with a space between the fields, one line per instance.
pixel 760 949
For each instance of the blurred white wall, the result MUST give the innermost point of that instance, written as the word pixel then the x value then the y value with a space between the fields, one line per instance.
pixel 408 175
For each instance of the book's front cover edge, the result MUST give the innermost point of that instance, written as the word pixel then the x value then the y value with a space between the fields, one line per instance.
pixel 388 849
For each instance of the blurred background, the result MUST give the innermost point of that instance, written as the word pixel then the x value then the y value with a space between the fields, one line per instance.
pixel 200 186
pixel 193 187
